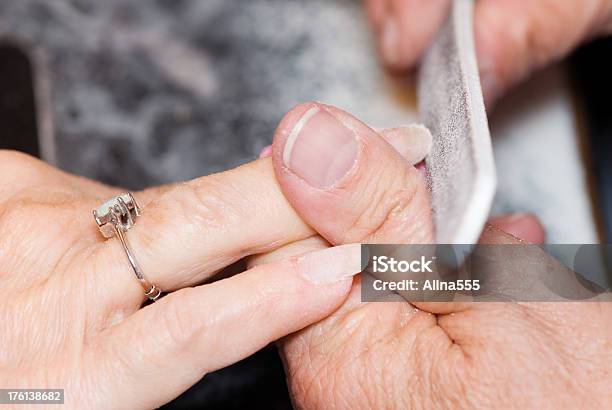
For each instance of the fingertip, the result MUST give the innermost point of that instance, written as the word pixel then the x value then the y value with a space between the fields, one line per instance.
pixel 413 142
pixel 265 152
pixel 345 180
pixel 376 10
pixel 514 38
pixel 330 265
pixel 406 29
pixel 524 226
pixel 286 125
pixel 390 44
pixel 487 39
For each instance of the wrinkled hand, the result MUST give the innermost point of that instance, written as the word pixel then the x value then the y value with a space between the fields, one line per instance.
pixel 422 355
pixel 70 314
pixel 513 38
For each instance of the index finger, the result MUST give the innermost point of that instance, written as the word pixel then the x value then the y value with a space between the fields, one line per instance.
pixel 192 230
pixel 404 28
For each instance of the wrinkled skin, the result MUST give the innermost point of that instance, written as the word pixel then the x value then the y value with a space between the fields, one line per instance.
pixel 70 306
pixel 432 355
pixel 53 303
pixel 488 355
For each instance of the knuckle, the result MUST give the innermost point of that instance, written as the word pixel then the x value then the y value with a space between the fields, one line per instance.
pixel 207 201
pixel 178 322
pixel 371 214
pixel 13 162
pixel 19 171
pixel 389 207
pixel 12 157
pixel 204 203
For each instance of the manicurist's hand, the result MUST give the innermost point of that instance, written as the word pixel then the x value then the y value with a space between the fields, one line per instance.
pixel 513 37
pixel 353 187
pixel 70 314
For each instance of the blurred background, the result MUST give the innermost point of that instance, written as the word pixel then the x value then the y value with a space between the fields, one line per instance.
pixel 143 93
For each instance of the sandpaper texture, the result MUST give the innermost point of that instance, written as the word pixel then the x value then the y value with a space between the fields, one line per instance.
pixel 461 169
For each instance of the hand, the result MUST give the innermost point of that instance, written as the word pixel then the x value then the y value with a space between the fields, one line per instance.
pixel 70 312
pixel 351 186
pixel 513 38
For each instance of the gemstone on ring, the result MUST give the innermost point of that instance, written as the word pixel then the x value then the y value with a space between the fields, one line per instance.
pixel 118 212
pixel 115 217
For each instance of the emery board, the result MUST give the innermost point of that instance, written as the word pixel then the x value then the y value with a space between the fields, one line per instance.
pixel 461 170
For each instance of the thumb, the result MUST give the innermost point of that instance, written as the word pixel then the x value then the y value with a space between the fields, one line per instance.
pixel 515 38
pixel 346 181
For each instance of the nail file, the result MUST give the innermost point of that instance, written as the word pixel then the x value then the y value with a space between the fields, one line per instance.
pixel 460 165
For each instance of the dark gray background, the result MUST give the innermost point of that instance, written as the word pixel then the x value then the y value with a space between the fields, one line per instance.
pixel 144 93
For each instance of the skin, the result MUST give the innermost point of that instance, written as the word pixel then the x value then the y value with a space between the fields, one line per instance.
pixel 70 313
pixel 431 355
pixel 70 306
pixel 513 37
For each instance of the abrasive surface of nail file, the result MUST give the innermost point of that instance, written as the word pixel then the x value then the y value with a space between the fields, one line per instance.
pixel 461 170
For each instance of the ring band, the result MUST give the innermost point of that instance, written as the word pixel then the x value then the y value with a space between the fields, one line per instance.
pixel 114 218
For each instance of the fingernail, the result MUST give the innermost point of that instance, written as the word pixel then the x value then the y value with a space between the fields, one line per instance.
pixel 265 152
pixel 330 265
pixel 389 42
pixel 413 142
pixel 320 149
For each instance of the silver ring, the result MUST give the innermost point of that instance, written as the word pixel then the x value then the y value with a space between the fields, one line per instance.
pixel 114 218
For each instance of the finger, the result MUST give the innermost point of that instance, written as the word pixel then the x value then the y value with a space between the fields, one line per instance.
pixel 517 272
pixel 346 181
pixel 376 11
pixel 473 325
pixel 527 275
pixel 413 142
pixel 166 347
pixel 514 38
pixel 523 226
pixel 295 248
pixel 194 229
pixel 492 235
pixel 404 28
pixel 215 252
pixel 266 152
